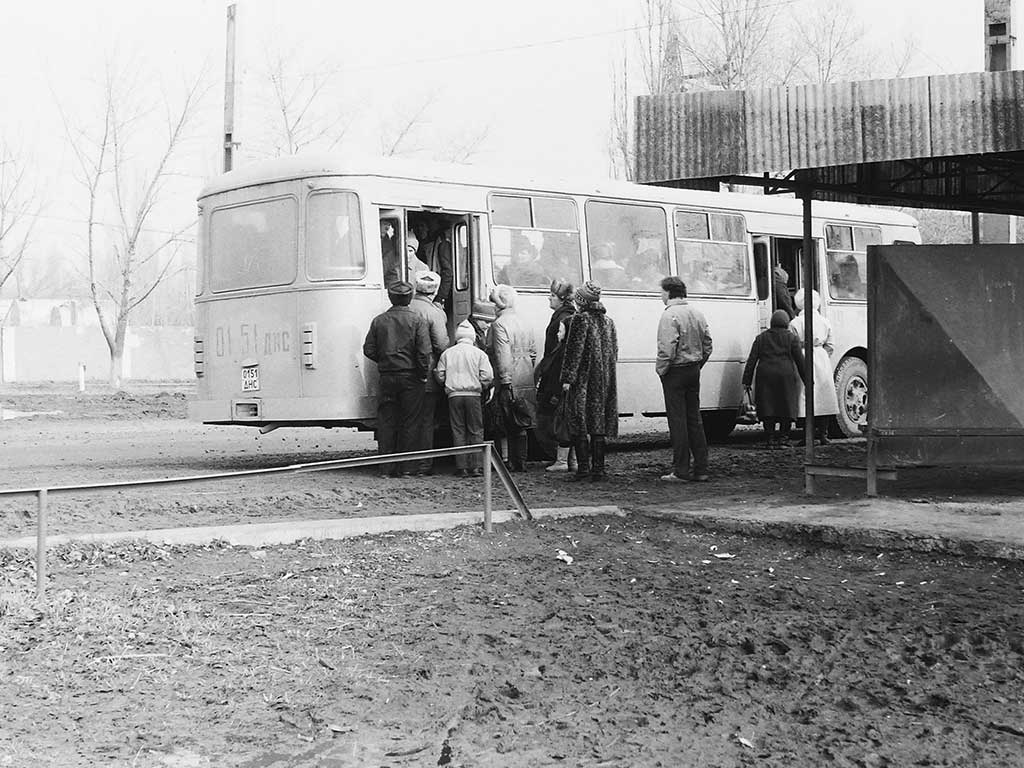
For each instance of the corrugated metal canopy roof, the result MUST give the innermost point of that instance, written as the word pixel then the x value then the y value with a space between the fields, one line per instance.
pixel 947 141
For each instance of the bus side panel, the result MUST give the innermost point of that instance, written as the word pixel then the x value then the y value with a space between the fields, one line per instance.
pixel 849 328
pixel 733 325
pixel 241 332
pixel 343 383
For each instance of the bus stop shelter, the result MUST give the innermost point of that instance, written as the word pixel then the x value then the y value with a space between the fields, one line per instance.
pixel 947 141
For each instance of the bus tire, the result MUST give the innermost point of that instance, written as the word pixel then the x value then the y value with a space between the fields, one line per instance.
pixel 718 425
pixel 852 396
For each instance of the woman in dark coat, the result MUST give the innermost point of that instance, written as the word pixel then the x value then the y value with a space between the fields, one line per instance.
pixel 547 375
pixel 779 362
pixel 588 380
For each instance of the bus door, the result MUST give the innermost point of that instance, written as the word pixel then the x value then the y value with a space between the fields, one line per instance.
pixel 392 245
pixel 788 253
pixel 763 280
pixel 785 252
pixel 465 251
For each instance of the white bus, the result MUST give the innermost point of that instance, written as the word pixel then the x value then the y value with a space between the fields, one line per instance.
pixel 292 268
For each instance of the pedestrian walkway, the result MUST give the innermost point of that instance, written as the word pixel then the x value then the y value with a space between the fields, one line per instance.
pixel 985 529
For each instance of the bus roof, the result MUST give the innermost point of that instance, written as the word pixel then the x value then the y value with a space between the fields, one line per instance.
pixel 311 166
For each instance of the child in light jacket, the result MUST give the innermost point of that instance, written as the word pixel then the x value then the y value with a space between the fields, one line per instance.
pixel 465 371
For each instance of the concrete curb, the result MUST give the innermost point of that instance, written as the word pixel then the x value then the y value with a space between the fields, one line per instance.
pixel 849 536
pixel 286 532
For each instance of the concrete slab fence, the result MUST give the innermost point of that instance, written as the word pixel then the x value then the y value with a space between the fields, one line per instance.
pixel 47 353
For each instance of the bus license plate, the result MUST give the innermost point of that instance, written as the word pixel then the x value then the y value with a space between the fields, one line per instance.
pixel 251 378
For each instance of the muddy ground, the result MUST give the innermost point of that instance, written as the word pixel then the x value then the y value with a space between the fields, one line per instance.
pixel 657 645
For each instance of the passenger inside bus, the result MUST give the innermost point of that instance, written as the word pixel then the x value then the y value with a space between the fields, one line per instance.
pixel 434 250
pixel 524 270
pixel 605 270
pixel 845 278
pixel 389 252
pixel 704 278
pixel 646 270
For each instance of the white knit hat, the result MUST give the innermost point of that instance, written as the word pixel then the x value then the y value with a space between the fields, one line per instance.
pixel 427 282
pixel 464 330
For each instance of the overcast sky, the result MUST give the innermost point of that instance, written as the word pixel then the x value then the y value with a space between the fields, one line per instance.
pixel 534 73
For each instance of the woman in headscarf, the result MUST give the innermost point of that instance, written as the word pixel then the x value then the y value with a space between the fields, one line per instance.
pixel 513 351
pixel 588 380
pixel 549 369
pixel 825 405
pixel 776 357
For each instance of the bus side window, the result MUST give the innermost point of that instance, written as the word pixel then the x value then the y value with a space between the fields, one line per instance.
pixel 761 265
pixel 461 257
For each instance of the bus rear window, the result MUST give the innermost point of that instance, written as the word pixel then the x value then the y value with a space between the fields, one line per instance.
pixel 334 237
pixel 253 245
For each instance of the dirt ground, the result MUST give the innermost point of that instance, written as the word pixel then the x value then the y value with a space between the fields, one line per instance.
pixel 658 644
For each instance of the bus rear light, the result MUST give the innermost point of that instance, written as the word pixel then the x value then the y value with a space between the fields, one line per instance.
pixel 309 346
pixel 199 357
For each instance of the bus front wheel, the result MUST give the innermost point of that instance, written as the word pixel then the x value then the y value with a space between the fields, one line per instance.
pixel 852 394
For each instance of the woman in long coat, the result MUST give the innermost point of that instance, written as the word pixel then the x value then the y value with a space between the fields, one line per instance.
pixel 549 369
pixel 513 352
pixel 825 404
pixel 777 359
pixel 588 380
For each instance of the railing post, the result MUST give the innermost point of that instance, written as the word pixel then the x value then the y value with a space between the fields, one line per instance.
pixel 488 454
pixel 41 544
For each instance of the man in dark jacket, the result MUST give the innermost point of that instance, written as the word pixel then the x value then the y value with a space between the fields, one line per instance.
pixel 399 343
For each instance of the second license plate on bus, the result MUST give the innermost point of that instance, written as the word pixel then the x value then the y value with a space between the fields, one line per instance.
pixel 251 378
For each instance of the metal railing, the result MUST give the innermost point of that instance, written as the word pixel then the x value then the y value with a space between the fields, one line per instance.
pixel 490 461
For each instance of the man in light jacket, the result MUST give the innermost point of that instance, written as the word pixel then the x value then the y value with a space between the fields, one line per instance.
pixel 684 345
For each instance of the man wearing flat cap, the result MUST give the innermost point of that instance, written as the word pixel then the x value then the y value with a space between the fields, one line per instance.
pixel 423 304
pixel 399 343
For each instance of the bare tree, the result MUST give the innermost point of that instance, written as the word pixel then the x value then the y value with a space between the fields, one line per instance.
pixel 658 50
pixel 300 112
pixel 19 209
pixel 729 42
pixel 463 146
pixel 124 171
pixel 659 47
pixel 830 43
pixel 621 149
pixel 397 137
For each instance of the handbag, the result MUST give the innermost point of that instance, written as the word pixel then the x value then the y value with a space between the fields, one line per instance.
pixel 560 421
pixel 523 412
pixel 494 417
pixel 746 412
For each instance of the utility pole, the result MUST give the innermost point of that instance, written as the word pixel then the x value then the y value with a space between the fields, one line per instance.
pixel 1000 43
pixel 229 91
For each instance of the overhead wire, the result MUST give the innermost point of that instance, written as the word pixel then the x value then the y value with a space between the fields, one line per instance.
pixel 530 45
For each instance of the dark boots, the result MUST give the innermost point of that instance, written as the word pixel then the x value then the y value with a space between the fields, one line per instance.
pixel 597 470
pixel 582 457
pixel 590 453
